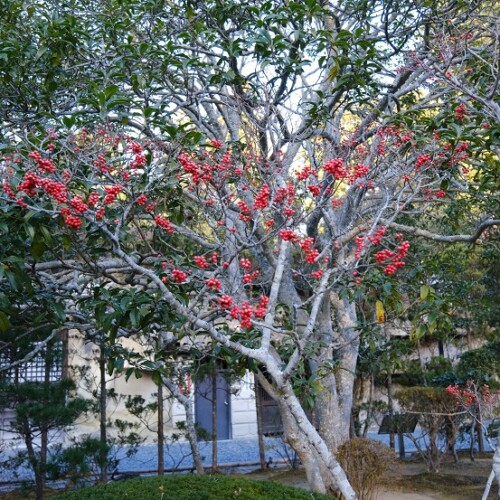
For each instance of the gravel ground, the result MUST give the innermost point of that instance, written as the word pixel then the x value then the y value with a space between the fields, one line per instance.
pixel 241 452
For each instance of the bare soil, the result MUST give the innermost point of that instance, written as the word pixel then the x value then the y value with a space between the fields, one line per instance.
pixel 410 480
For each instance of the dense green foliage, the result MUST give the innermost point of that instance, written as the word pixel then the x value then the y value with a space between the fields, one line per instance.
pixel 191 488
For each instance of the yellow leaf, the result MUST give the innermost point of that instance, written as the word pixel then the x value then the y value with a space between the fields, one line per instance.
pixel 379 310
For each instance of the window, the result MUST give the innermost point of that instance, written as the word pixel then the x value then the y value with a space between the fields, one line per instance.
pixel 45 366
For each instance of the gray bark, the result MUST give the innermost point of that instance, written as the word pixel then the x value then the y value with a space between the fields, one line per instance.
pixel 187 403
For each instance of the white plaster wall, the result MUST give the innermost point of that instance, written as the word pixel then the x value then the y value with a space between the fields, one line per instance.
pixel 243 411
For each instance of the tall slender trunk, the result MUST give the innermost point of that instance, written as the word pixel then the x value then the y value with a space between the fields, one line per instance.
pixel 160 432
pixel 214 422
pixel 479 430
pixel 103 433
pixel 42 462
pixel 192 437
pixel 35 461
pixel 390 402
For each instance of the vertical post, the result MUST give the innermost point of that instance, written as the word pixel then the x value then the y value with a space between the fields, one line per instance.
pixel 214 421
pixel 160 431
pixel 103 435
pixel 401 442
pixel 392 444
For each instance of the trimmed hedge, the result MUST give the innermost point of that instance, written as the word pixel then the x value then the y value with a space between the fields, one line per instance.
pixel 191 487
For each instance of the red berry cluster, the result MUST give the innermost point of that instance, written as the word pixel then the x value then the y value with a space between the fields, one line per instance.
pixel 78 204
pixel 421 161
pixel 243 313
pixel 314 189
pixel 311 253
pixel 216 144
pixel 246 311
pixel 179 276
pixel 200 261
pixel 8 190
pixel 245 263
pixel 93 199
pixel 359 171
pixel 214 284
pixel 360 246
pixel 245 211
pixel 56 189
pixel 71 220
pixel 396 258
pixel 317 274
pixel 460 112
pixel 250 277
pixel 336 168
pixel 111 193
pixel 285 194
pixel 376 239
pixel 307 171
pixel 289 235
pixel 226 302
pixel 142 200
pixel 262 198
pixel 45 165
pixel 165 224
pixel 260 310
pixel 101 164
pixel 139 157
pixel 29 183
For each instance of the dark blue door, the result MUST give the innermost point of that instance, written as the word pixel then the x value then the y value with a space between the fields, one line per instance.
pixel 203 405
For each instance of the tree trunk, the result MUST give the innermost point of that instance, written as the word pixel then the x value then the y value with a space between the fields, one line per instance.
pixel 160 431
pixel 322 468
pixel 390 402
pixel 214 422
pixel 479 430
pixel 260 436
pixel 333 404
pixel 323 471
pixel 103 433
pixel 187 403
pixel 42 463
pixel 35 463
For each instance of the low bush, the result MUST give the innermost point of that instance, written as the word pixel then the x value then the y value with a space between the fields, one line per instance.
pixel 365 461
pixel 191 487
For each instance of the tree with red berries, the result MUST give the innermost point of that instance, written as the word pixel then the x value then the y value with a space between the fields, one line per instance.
pixel 241 173
pixel 481 403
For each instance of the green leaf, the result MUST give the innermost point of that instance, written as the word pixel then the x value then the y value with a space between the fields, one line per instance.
pixel 110 91
pixel 4 322
pixel 418 332
pixel 38 248
pixel 424 292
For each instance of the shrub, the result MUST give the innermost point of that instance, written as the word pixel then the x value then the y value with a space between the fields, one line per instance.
pixel 438 420
pixel 191 487
pixel 365 461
